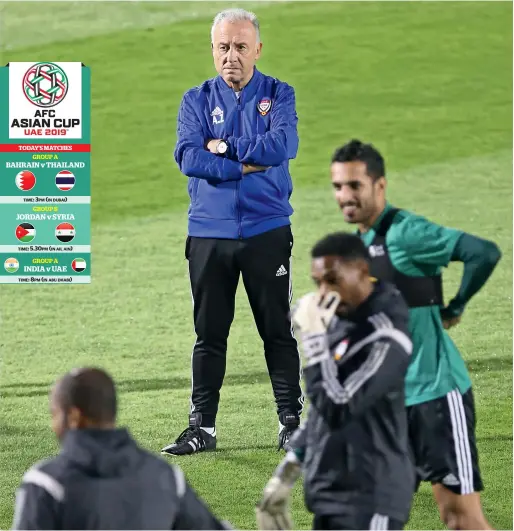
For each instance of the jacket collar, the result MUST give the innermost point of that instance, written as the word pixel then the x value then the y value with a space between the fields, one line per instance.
pixel 101 452
pixel 248 91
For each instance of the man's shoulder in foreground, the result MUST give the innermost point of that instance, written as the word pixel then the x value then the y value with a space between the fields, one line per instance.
pixel 58 469
pixel 47 474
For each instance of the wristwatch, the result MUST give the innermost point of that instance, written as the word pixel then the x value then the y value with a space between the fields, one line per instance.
pixel 222 147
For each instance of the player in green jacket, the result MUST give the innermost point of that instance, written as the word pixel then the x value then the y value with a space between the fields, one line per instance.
pixel 410 251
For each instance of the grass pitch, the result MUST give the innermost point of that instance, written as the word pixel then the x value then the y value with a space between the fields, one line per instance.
pixel 428 83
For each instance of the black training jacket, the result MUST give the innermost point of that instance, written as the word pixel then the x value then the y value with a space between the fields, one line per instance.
pixel 101 479
pixel 354 443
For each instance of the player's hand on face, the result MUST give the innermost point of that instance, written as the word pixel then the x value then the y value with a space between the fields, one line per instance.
pixel 312 315
pixel 314 311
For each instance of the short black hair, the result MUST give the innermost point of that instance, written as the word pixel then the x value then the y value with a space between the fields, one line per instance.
pixel 355 150
pixel 343 245
pixel 91 391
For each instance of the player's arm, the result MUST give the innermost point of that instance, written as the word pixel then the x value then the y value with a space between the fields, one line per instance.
pixel 277 145
pixel 190 154
pixel 428 243
pixel 382 356
pixel 192 513
pixel 272 511
pixel 35 508
pixel 479 257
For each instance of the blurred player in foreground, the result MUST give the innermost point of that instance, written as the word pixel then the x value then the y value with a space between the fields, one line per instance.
pixel 353 447
pixel 410 251
pixel 101 479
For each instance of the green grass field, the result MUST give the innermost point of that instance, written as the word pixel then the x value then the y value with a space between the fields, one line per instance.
pixel 428 83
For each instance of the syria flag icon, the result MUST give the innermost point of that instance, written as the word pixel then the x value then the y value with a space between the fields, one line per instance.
pixel 65 232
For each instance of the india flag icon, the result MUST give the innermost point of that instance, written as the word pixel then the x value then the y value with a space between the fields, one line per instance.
pixel 11 265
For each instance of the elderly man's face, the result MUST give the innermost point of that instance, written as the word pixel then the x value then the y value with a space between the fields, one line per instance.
pixel 235 50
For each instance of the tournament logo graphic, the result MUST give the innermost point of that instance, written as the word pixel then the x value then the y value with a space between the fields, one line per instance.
pixel 78 265
pixel 25 232
pixel 65 232
pixel 11 265
pixel 45 84
pixel 25 180
pixel 264 106
pixel 65 180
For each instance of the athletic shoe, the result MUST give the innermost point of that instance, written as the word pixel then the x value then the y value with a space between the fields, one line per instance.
pixel 192 440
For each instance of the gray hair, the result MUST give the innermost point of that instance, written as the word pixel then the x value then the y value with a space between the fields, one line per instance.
pixel 236 15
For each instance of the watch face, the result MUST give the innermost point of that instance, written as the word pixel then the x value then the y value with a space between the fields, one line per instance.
pixel 222 147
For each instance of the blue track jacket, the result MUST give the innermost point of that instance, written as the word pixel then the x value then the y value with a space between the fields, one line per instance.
pixel 260 128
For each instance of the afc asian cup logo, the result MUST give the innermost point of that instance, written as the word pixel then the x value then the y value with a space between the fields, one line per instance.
pixel 45 84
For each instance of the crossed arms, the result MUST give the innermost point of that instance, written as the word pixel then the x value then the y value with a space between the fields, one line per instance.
pixel 245 154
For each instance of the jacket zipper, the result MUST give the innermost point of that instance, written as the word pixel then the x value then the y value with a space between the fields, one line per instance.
pixel 238 206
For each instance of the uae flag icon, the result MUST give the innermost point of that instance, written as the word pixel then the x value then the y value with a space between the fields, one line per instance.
pixel 78 265
pixel 11 265
pixel 65 180
pixel 65 232
pixel 25 180
pixel 25 232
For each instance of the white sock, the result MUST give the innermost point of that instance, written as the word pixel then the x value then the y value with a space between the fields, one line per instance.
pixel 280 427
pixel 210 431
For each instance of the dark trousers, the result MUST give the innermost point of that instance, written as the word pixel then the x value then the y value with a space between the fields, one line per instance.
pixel 367 521
pixel 214 269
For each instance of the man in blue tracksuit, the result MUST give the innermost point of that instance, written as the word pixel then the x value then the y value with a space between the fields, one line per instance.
pixel 236 135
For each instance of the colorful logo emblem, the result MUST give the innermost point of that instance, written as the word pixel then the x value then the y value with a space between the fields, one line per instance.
pixel 264 106
pixel 45 84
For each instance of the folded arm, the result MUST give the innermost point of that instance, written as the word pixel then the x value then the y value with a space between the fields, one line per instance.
pixel 190 154
pixel 277 145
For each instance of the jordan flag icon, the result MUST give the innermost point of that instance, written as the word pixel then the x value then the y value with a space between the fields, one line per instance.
pixel 65 232
pixel 25 180
pixel 25 232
